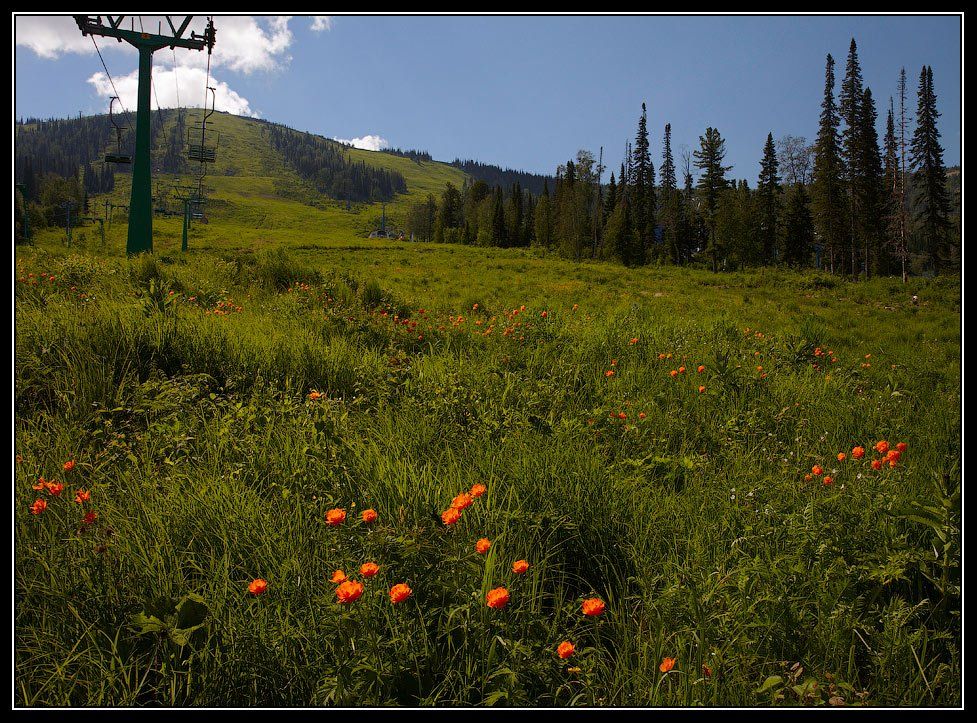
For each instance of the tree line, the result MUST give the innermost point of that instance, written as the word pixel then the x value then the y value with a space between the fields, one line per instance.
pixel 849 203
pixel 328 167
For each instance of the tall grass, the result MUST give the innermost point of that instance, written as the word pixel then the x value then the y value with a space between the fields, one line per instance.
pixel 190 419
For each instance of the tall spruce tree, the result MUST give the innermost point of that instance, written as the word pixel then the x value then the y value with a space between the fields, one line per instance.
pixel 798 227
pixel 827 199
pixel 768 201
pixel 869 190
pixel 932 203
pixel 672 212
pixel 642 184
pixel 709 159
pixel 850 102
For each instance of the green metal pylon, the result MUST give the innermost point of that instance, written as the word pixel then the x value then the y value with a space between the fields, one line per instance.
pixel 140 238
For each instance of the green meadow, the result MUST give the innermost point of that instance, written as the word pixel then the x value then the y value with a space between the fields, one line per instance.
pixel 217 404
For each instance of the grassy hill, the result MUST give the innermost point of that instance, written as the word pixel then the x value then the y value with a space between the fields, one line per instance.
pixel 255 199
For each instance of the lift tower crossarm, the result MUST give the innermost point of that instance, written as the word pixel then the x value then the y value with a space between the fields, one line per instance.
pixel 140 236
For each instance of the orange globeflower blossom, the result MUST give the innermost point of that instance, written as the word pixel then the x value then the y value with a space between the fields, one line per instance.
pixel 565 649
pixel 338 576
pixel 882 447
pixel 38 507
pixel 314 395
pixel 609 373
pixel 667 664
pixel 399 593
pixel 902 446
pixel 876 464
pixel 593 606
pixel 634 340
pixel 520 566
pixel 477 490
pixel 807 477
pixel 462 501
pixel 661 356
pixel 858 452
pixel 497 598
pixel 258 586
pixel 336 516
pixel 482 546
pixel 827 480
pixel 701 389
pixel 41 484
pixel 349 591
pixel 681 370
pixel 701 369
pixel 642 415
pixel 19 458
pixel 55 488
pixel 816 469
pixel 841 456
pixel 82 496
pixel 673 373
pixel 369 515
pixel 369 569
pixel 90 518
pixel 450 516
pixel 69 465
pixel 892 454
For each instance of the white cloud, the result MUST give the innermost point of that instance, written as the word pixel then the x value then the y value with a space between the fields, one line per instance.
pixel 367 142
pixel 50 36
pixel 174 87
pixel 244 44
pixel 321 22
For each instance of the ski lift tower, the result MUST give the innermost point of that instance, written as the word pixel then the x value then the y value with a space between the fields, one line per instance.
pixel 140 237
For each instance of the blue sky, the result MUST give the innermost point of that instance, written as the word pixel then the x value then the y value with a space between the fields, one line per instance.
pixel 523 92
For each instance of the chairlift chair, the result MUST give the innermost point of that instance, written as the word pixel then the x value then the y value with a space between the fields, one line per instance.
pixel 119 157
pixel 202 151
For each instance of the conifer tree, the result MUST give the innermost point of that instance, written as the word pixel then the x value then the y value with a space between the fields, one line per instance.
pixel 827 200
pixel 798 227
pixel 768 201
pixel 709 159
pixel 850 105
pixel 932 203
pixel 642 183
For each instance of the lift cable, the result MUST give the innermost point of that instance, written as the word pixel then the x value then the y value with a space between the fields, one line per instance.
pixel 112 82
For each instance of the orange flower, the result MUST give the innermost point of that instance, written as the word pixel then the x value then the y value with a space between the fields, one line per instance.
pixel 593 606
pixel 902 446
pixel 609 373
pixel 827 480
pixel 450 516
pixel 882 447
pixel 565 649
pixel 69 465
pixel 258 586
pixel 90 518
pixel 55 489
pixel 816 470
pixel 702 389
pixel 482 546
pixel 520 566
pixel 544 314
pixel 701 369
pixel 673 373
pixel 497 598
pixel 876 464
pixel 369 515
pixel 858 452
pixel 706 670
pixel 314 395
pixel 349 591
pixel 83 496
pixel 681 370
pixel 642 415
pixel 38 507
pixel 634 340
pixel 41 484
pixel 19 458
pixel 661 356
pixel 807 477
pixel 893 454
pixel 841 456
pixel 399 593
pixel 338 576
pixel 477 490
pixel 462 501
pixel 667 664
pixel 369 569
pixel 336 516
